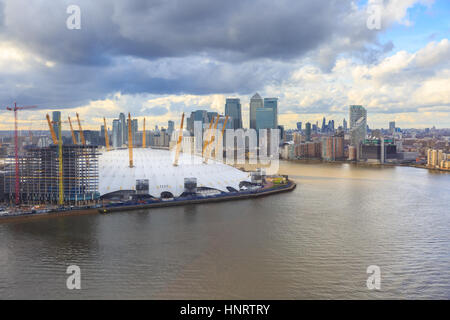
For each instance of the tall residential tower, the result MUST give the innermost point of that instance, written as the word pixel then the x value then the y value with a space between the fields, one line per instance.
pixel 358 127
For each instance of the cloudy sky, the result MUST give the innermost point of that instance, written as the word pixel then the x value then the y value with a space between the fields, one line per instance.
pixel 158 58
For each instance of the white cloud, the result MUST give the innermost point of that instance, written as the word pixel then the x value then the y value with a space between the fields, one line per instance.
pixel 397 10
pixel 14 59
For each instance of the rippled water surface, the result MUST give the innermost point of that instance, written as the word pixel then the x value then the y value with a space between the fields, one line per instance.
pixel 314 242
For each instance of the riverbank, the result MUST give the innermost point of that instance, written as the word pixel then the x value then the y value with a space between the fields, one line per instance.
pixel 238 196
pixel 289 186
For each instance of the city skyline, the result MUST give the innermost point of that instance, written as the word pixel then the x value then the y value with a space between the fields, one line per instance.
pixel 331 126
pixel 223 153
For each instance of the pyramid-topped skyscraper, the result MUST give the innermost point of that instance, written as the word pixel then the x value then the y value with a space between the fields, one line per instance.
pixel 255 102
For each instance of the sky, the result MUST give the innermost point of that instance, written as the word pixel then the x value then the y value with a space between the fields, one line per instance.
pixel 159 58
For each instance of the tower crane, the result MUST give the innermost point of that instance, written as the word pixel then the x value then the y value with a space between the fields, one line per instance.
pixel 83 141
pixel 16 147
pixel 52 131
pixel 74 140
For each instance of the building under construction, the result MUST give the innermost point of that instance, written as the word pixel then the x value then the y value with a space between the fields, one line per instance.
pixel 40 178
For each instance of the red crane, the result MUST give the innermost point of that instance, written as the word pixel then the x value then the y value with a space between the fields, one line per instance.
pixel 16 147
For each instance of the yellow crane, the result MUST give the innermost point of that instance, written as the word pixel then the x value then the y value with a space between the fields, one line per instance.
pixel 81 131
pixel 143 136
pixel 60 150
pixel 211 141
pixel 60 161
pixel 52 131
pixel 130 141
pixel 106 135
pixel 180 138
pixel 74 140
pixel 83 141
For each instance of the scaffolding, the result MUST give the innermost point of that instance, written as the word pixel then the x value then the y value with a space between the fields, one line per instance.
pixel 40 175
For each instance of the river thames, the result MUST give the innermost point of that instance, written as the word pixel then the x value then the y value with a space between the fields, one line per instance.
pixel 313 243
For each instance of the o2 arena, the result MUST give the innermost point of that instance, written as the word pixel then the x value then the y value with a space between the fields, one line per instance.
pixel 153 174
pixel 70 177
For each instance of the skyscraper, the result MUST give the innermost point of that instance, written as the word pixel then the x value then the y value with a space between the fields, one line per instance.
pixel 264 118
pixel 116 134
pixel 201 115
pixel 170 127
pixel 282 133
pixel 356 113
pixel 233 109
pixel 123 129
pixel 358 127
pixel 392 127
pixel 299 126
pixel 273 104
pixel 190 124
pixel 255 102
pixel 102 135
pixel 134 130
pixel 212 116
pixel 56 117
pixel 344 124
pixel 308 131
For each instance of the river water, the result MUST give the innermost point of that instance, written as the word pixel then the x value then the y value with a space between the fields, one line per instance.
pixel 313 243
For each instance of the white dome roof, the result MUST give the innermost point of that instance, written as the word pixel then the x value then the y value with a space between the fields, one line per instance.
pixel 157 166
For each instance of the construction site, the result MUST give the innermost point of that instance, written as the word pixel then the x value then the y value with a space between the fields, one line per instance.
pixel 57 174
pixel 80 175
pixel 45 179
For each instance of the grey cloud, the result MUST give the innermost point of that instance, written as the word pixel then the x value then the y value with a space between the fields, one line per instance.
pixel 68 85
pixel 171 47
pixel 232 30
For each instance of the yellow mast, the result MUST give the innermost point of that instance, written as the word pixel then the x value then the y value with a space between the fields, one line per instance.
pixel 207 138
pixel 81 131
pixel 180 138
pixel 220 140
pixel 213 136
pixel 52 131
pixel 143 136
pixel 106 135
pixel 74 140
pixel 130 141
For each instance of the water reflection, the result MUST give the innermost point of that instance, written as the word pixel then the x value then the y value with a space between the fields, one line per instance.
pixel 315 242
